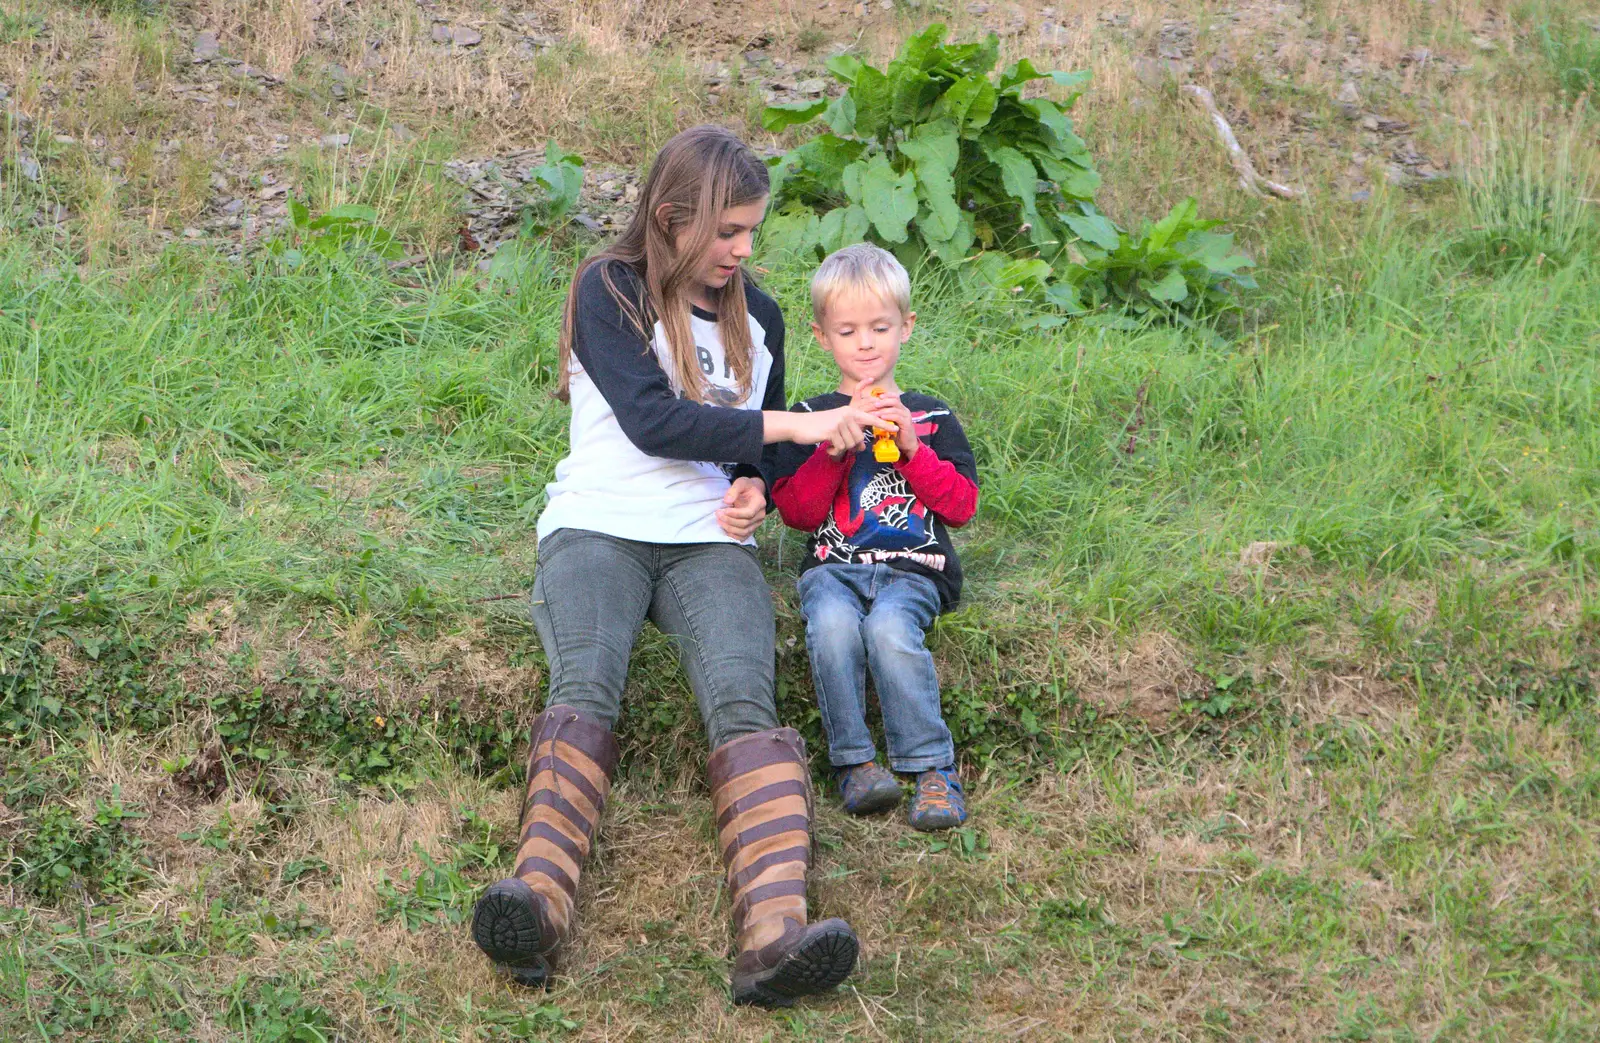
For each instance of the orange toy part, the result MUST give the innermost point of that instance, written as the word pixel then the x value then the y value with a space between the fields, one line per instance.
pixel 884 449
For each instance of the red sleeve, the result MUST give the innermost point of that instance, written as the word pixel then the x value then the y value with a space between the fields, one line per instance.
pixel 949 494
pixel 805 497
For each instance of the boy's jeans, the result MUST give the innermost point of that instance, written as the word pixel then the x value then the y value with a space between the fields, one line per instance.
pixel 873 615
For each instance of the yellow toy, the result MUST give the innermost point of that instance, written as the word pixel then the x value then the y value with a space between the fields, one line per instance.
pixel 884 449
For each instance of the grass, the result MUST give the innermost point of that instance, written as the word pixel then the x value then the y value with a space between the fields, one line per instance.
pixel 1276 680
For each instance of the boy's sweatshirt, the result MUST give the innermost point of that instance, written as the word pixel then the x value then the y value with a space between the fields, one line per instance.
pixel 860 511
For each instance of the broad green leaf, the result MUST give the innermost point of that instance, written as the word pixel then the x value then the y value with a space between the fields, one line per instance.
pixel 818 164
pixel 782 117
pixel 1018 73
pixel 554 153
pixel 841 115
pixel 1071 79
pixel 354 212
pixel 1170 288
pixel 1019 177
pixel 1081 184
pixel 921 51
pixel 871 92
pixel 1040 322
pixel 890 199
pixel 955 247
pixel 1074 181
pixel 969 103
pixel 844 67
pixel 852 177
pixel 1095 228
pixel 933 154
pixel 981 274
pixel 1174 226
pixel 935 142
pixel 1046 112
pixel 1022 273
pixel 909 90
pixel 827 155
pixel 843 226
pixel 1064 295
pixel 299 213
pixel 793 231
pixel 940 215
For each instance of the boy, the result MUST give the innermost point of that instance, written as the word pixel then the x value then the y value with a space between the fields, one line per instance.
pixel 879 567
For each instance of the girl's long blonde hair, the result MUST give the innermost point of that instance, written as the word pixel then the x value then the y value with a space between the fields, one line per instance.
pixel 696 176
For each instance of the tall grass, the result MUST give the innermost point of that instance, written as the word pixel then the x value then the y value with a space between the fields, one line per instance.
pixel 326 434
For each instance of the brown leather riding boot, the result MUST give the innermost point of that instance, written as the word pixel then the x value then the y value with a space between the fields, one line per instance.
pixel 522 922
pixel 761 791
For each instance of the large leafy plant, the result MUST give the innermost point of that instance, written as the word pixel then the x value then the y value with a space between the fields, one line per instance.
pixel 939 153
pixel 933 153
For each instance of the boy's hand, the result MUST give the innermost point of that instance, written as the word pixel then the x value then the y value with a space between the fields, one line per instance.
pixel 889 407
pixel 744 506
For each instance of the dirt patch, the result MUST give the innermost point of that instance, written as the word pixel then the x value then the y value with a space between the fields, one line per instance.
pixel 1147 680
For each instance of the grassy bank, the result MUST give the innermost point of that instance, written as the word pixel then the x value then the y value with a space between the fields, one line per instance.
pixel 1276 676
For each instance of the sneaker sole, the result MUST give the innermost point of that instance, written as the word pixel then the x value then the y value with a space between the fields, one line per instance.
pixel 506 925
pixel 821 961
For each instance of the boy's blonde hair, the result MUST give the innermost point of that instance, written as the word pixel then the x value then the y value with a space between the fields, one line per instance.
pixel 864 269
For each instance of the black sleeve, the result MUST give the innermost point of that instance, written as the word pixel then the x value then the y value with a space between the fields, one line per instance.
pixel 950 442
pixel 770 316
pixel 788 456
pixel 623 366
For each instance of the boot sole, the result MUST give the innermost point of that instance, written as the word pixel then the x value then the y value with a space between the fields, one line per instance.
pixel 821 961
pixel 507 924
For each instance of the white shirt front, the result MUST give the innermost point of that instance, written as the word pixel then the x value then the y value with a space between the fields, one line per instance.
pixel 607 484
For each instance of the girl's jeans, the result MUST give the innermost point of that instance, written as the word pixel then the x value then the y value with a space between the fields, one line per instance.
pixel 873 615
pixel 592 593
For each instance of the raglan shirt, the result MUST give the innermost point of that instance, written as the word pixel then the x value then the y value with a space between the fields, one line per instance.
pixel 645 463
pixel 860 511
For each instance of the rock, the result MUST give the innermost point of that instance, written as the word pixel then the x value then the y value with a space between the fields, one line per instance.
pixel 192 233
pixel 28 167
pixel 587 222
pixel 1361 195
pixel 116 163
pixel 813 87
pixel 336 72
pixel 233 206
pixel 402 132
pixel 206 47
pixel 1395 174
pixel 1348 95
pixel 462 36
pixel 335 140
pixel 1150 71
pixel 66 139
pixel 1483 43
pixel 442 34
pixel 272 192
pixel 1369 123
pixel 5 92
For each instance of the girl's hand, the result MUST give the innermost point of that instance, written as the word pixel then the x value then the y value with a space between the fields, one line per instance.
pixel 844 428
pixel 889 407
pixel 744 506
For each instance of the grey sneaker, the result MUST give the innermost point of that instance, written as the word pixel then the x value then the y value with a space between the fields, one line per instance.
pixel 868 788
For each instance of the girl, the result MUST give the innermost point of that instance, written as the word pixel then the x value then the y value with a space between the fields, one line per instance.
pixel 673 364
